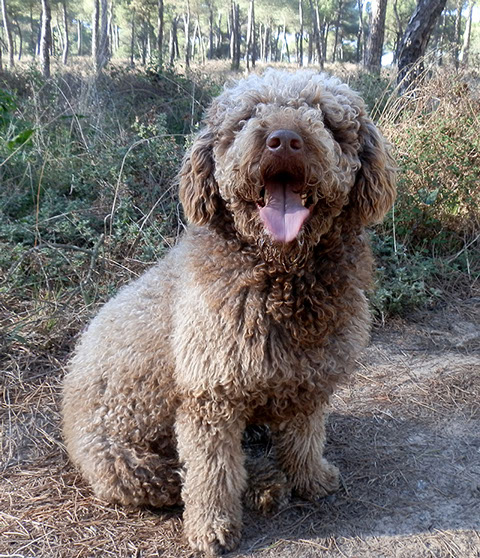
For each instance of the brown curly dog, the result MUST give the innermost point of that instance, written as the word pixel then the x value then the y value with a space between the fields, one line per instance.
pixel 253 318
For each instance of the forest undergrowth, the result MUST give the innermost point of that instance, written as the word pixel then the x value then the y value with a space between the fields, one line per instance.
pixel 88 192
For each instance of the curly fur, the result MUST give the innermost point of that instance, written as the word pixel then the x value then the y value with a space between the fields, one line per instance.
pixel 234 328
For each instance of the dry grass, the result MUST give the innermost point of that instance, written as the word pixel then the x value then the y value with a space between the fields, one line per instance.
pixel 53 514
pixel 46 509
pixel 412 408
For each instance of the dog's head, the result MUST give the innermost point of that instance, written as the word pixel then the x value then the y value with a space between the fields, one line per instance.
pixel 283 155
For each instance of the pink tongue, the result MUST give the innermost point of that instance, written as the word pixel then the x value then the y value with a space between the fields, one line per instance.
pixel 284 214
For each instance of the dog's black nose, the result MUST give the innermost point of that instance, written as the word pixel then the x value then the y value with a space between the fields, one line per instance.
pixel 285 142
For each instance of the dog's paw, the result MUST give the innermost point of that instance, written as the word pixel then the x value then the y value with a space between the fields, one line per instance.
pixel 268 489
pixel 269 499
pixel 320 484
pixel 213 537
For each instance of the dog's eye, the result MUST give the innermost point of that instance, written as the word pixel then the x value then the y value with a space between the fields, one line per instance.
pixel 240 124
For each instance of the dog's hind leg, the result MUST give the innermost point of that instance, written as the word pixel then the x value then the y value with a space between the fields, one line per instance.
pixel 130 475
pixel 268 489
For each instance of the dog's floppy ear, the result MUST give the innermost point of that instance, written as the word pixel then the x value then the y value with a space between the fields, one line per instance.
pixel 198 188
pixel 374 191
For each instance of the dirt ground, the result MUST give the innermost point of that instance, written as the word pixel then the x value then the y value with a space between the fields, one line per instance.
pixel 405 433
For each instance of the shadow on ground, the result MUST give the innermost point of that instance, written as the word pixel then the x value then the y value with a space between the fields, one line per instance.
pixel 400 477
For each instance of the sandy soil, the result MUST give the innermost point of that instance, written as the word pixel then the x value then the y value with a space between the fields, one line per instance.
pixel 405 433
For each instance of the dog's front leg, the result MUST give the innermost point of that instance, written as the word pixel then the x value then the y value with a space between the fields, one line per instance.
pixel 209 437
pixel 299 444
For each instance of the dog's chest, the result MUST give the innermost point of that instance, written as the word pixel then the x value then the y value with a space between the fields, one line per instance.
pixel 289 372
pixel 272 338
pixel 281 342
pixel 284 317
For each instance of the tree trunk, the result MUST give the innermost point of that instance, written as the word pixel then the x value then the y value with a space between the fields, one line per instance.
pixel 373 58
pixel 142 42
pixel 111 35
pixel 39 36
pixel 250 50
pixel 229 30
pixel 248 46
pixel 300 33
pixel 79 38
pixel 132 40
pixel 211 47
pixel 440 38
pixel 415 40
pixel 186 23
pixel 46 38
pixel 219 35
pixel 467 34
pixel 66 44
pixel 316 33
pixel 262 44
pixel 103 46
pixel 235 36
pixel 173 46
pixel 338 21
pixel 201 44
pixel 285 42
pixel 113 40
pixel 277 50
pixel 458 33
pixel 360 31
pixel 238 36
pixel 55 30
pixel 20 36
pixel 95 31
pixel 149 41
pixel 33 42
pixel 160 12
pixel 324 31
pixel 100 22
pixel 8 34
pixel 254 37
pixel 261 32
pixel 267 40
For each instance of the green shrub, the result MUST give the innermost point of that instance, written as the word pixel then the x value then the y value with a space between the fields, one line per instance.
pixel 428 244
pixel 404 280
pixel 90 199
pixel 437 147
pixel 88 195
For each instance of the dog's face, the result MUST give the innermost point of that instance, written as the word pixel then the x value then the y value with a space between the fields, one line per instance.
pixel 283 155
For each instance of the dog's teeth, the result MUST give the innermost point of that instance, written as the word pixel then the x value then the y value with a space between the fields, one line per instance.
pixel 261 200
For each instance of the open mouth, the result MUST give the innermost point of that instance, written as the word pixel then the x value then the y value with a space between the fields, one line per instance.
pixel 284 206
